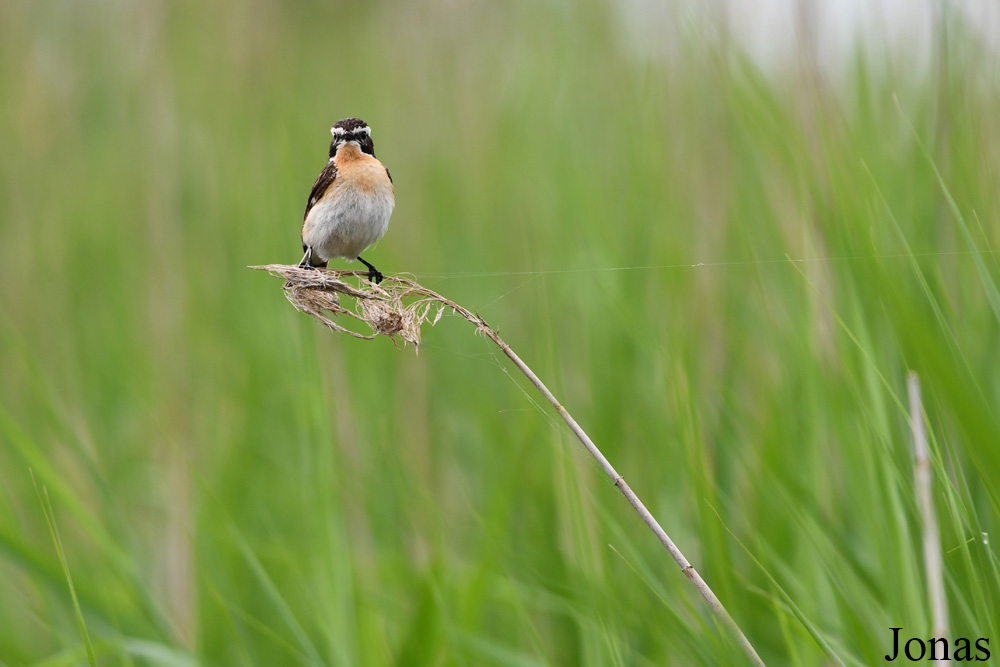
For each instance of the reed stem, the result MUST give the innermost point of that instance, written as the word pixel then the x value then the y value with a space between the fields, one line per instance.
pixel 398 307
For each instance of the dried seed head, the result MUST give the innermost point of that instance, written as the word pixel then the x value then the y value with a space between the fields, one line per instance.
pixel 398 306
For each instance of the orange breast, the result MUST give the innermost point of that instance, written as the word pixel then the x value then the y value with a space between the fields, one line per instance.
pixel 360 171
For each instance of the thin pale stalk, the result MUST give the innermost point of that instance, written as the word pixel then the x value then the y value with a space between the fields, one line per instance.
pixel 689 571
pixel 933 561
pixel 393 291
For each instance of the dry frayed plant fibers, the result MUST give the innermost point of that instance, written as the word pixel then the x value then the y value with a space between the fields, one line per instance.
pixel 398 307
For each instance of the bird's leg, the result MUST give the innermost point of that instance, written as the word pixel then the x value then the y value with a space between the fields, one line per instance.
pixel 373 273
pixel 306 262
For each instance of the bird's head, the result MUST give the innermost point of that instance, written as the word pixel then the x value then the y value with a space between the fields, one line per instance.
pixel 352 130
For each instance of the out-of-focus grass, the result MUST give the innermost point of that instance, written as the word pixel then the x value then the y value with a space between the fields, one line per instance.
pixel 235 486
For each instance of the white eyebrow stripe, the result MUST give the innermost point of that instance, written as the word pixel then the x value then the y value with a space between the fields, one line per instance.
pixel 339 131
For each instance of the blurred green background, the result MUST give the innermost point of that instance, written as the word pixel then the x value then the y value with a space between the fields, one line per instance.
pixel 233 484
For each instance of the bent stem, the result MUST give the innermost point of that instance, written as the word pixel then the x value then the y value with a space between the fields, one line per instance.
pixel 398 307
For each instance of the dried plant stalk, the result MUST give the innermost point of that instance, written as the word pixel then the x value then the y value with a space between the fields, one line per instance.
pixel 398 307
pixel 933 560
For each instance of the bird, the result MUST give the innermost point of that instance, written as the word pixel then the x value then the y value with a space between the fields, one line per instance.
pixel 351 201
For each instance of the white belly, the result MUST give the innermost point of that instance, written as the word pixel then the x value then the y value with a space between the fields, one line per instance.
pixel 345 224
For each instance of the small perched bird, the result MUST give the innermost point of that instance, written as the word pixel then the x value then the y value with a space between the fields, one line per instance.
pixel 350 203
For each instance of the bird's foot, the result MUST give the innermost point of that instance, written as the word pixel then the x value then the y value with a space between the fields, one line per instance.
pixel 306 262
pixel 374 275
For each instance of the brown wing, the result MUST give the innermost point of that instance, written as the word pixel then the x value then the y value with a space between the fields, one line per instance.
pixel 323 181
pixel 388 174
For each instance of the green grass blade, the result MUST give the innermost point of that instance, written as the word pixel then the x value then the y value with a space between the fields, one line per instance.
pixel 50 519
